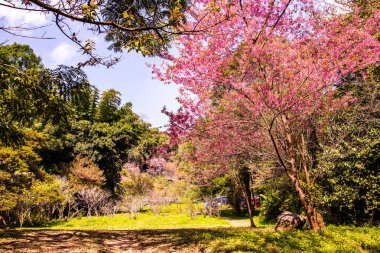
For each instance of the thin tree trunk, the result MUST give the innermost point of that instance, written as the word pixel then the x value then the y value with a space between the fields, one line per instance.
pixel 245 179
pixel 314 218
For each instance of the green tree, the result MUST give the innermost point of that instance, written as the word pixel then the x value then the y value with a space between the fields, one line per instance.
pixel 110 139
pixel 49 117
pixel 19 168
pixel 74 88
pixel 350 160
pixel 109 105
pixel 80 99
pixel 148 145
pixel 25 93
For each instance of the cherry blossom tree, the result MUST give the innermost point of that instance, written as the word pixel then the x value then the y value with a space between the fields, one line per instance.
pixel 270 72
pixel 219 145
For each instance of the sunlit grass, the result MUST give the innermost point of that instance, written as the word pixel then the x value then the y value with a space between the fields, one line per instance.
pixel 331 239
pixel 217 234
pixel 142 221
pixel 173 216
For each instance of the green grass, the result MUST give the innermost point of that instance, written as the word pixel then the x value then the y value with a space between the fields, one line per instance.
pixel 174 216
pixel 231 213
pixel 173 230
pixel 331 239
pixel 216 240
pixel 142 221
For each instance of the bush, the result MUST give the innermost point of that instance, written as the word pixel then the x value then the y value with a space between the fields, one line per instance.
pixel 213 207
pixel 137 183
pixel 278 196
pixel 39 204
pixel 131 205
pixel 84 172
pixel 95 200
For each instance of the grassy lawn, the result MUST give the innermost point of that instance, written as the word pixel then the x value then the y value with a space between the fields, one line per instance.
pixel 174 231
pixel 174 216
pixel 332 240
pixel 142 221
pixel 171 217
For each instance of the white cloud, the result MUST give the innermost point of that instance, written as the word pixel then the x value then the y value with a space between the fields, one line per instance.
pixel 143 116
pixel 63 53
pixel 16 17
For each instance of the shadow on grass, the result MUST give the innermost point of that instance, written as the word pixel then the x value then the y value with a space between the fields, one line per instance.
pixel 180 240
pixel 232 214
pixel 167 240
pixel 47 224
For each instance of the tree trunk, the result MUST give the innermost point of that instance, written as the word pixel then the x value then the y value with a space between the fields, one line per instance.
pixel 314 218
pixel 245 179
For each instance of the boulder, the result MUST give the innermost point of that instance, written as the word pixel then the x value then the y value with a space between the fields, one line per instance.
pixel 289 221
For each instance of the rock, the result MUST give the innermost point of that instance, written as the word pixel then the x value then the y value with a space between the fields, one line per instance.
pixel 289 221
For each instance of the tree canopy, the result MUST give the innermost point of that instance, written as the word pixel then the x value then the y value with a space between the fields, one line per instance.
pixel 145 26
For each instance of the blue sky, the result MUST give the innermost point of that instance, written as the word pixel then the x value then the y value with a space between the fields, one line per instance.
pixel 131 76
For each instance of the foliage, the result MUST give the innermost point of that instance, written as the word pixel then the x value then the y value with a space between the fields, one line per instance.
pixel 39 203
pixel 46 197
pixel 145 26
pixel 108 107
pixel 190 196
pixel 159 14
pixel 277 196
pixel 25 94
pixel 145 152
pixel 84 172
pixel 131 204
pixel 137 184
pixel 142 188
pixel 18 168
pixel 72 86
pixel 366 7
pixel 53 123
pixel 108 140
pixel 351 159
pixel 95 200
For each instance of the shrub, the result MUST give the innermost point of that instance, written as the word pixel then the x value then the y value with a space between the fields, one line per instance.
pixel 213 208
pixel 131 204
pixel 40 203
pixel 84 172
pixel 94 200
pixel 137 183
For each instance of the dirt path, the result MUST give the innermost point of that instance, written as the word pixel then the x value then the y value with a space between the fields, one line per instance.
pixel 236 222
